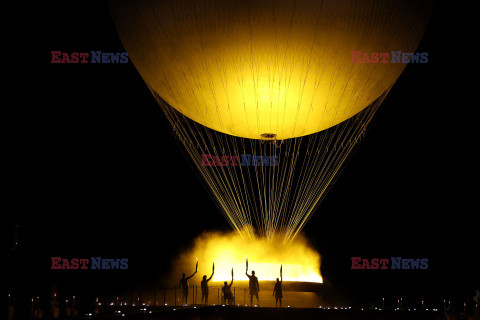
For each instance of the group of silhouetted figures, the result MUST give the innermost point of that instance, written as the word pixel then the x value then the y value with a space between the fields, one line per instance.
pixel 36 311
pixel 228 297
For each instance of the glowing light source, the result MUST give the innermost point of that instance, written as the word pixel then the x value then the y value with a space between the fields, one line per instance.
pixel 299 262
pixel 223 66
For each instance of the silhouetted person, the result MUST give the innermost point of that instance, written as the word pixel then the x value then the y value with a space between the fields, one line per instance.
pixel 277 292
pixel 184 285
pixel 55 310
pixel 68 309
pixel 204 286
pixel 471 315
pixel 227 291
pixel 11 310
pixel 36 312
pixel 450 314
pixel 253 286
pixel 476 310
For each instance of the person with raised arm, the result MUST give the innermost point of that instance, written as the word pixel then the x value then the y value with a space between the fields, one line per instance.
pixel 204 286
pixel 277 290
pixel 184 285
pixel 253 285
pixel 227 291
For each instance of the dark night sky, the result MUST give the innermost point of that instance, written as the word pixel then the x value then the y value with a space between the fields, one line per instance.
pixel 93 170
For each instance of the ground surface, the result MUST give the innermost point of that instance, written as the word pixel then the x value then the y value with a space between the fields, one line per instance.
pixel 220 313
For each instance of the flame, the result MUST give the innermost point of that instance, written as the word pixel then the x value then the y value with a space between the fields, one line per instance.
pixel 298 260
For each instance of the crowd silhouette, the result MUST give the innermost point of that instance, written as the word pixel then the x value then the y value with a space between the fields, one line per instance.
pixel 228 297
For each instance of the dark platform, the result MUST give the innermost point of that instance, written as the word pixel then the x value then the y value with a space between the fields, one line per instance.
pixel 248 313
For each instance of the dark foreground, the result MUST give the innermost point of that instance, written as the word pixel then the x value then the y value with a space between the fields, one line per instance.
pixel 220 313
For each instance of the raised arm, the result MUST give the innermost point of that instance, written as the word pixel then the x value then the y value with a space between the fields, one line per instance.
pixel 281 273
pixel 196 268
pixel 232 279
pixel 192 275
pixel 213 271
pixel 211 276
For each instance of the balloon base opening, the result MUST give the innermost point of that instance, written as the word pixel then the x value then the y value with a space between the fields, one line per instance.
pixel 268 136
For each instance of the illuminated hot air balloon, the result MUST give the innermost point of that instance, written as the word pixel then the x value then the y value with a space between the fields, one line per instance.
pixel 231 75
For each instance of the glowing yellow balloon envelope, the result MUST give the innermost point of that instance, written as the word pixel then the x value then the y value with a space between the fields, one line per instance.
pixel 282 67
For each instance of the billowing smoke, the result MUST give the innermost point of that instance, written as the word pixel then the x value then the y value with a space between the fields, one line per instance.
pixel 229 250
